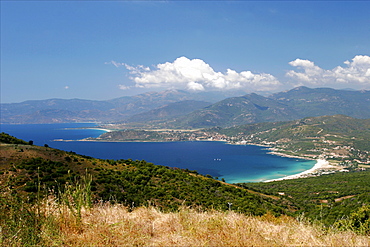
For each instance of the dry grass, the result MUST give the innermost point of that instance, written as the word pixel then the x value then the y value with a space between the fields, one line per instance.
pixel 114 225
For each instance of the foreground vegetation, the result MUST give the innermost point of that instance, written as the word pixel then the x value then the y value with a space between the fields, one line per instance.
pixel 70 219
pixel 326 198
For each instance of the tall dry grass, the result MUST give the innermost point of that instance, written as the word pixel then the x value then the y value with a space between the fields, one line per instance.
pixel 114 225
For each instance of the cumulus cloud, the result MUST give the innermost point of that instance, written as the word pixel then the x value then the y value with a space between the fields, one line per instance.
pixel 356 73
pixel 196 75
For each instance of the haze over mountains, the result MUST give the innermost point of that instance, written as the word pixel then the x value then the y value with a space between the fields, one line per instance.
pixel 79 110
pixel 181 109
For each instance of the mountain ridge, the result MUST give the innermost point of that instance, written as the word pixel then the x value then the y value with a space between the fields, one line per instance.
pixel 82 110
pixel 288 105
pixel 285 106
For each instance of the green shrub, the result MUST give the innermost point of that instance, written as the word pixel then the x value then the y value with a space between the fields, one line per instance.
pixel 358 221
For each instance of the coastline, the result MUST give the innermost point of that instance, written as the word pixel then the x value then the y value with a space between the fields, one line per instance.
pixel 321 164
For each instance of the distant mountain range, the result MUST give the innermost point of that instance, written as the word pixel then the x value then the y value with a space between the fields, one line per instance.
pixel 115 110
pixel 180 109
pixel 294 104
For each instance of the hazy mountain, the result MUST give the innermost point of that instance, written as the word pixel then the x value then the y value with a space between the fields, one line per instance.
pixel 156 109
pixel 290 105
pixel 169 111
pixel 326 101
pixel 77 110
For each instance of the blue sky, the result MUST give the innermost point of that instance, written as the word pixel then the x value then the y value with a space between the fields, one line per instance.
pixel 107 49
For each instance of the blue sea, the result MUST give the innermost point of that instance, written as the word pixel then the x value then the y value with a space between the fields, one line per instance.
pixel 234 163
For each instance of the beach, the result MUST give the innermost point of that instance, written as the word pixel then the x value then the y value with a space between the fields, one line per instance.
pixel 106 130
pixel 321 164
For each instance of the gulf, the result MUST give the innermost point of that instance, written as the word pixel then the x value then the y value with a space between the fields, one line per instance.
pixel 234 163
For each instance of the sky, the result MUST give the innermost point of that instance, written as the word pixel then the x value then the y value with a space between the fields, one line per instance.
pixel 101 50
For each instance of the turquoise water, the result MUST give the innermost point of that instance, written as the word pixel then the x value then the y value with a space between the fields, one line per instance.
pixel 234 163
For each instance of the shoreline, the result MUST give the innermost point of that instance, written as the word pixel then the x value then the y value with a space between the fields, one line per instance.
pixel 289 155
pixel 321 164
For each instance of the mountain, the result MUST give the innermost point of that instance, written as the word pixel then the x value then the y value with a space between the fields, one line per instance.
pixel 115 110
pixel 326 101
pixel 250 108
pixel 285 106
pixel 168 111
pixel 54 110
pixel 157 109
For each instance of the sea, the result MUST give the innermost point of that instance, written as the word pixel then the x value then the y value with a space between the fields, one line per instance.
pixel 234 163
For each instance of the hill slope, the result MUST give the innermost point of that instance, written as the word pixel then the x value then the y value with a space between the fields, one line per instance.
pixel 129 182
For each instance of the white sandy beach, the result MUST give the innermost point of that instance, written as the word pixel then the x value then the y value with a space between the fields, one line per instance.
pixel 106 130
pixel 320 164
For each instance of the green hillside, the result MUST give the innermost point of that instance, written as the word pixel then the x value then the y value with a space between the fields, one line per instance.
pixel 326 198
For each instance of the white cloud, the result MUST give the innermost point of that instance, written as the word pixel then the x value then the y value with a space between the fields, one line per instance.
pixel 355 73
pixel 195 86
pixel 123 87
pixel 66 87
pixel 195 74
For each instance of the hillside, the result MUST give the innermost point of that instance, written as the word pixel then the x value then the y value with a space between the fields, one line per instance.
pixel 126 181
pixel 337 137
pixel 325 198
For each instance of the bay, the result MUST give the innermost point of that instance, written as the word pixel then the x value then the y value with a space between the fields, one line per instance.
pixel 234 163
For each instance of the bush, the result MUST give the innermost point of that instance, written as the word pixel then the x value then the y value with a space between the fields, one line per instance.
pixel 358 221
